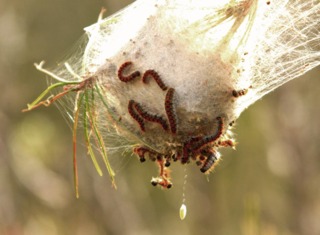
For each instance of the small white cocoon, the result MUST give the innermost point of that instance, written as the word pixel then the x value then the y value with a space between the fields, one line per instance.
pixel 183 211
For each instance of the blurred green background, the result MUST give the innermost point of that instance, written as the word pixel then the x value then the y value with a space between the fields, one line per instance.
pixel 270 185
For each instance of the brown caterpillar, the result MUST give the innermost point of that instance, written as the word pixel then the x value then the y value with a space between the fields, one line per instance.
pixel 155 76
pixel 227 143
pixel 170 111
pixel 142 151
pixel 208 164
pixel 135 115
pixel 129 77
pixel 210 138
pixel 186 150
pixel 163 179
pixel 150 117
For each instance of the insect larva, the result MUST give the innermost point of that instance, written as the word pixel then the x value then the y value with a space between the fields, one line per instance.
pixel 129 77
pixel 156 77
pixel 187 149
pixel 210 138
pixel 150 117
pixel 164 183
pixel 143 151
pixel 211 159
pixel 135 115
pixel 227 143
pixel 170 111
pixel 164 176
pixel 140 151
pixel 161 181
pixel 238 93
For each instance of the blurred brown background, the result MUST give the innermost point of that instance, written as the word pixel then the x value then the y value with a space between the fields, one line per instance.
pixel 269 186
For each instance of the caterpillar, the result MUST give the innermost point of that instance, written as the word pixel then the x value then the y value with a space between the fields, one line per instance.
pixel 150 117
pixel 227 143
pixel 210 138
pixel 135 115
pixel 156 77
pixel 242 92
pixel 208 164
pixel 129 77
pixel 170 111
pixel 142 151
pixel 187 148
